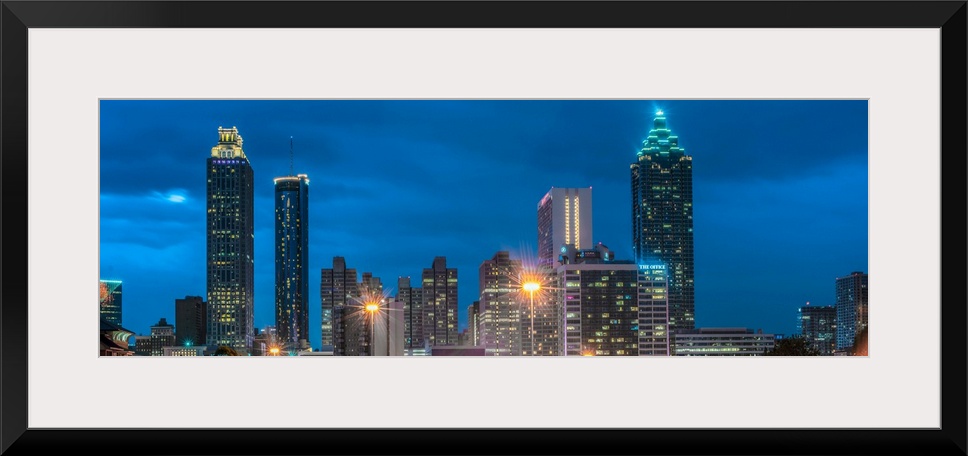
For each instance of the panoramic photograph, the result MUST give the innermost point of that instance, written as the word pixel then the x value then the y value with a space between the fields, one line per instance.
pixel 568 228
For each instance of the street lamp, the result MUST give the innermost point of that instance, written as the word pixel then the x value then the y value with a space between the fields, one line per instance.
pixel 531 287
pixel 372 308
pixel 274 351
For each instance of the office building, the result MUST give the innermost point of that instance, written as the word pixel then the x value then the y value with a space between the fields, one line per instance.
pixel 599 296
pixel 662 223
pixel 292 259
pixel 191 321
pixel 818 326
pixel 564 218
pixel 230 256
pixel 722 342
pixel 338 288
pixel 110 301
pixel 162 335
pixel 500 302
pixel 440 303
pixel 851 293
pixel 653 313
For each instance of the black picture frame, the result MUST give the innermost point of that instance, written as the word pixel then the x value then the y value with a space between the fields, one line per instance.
pixel 18 16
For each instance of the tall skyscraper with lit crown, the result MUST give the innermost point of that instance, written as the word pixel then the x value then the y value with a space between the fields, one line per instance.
pixel 292 259
pixel 662 217
pixel 230 256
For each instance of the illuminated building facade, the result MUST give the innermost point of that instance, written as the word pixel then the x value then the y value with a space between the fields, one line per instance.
pixel 662 223
pixel 110 301
pixel 851 306
pixel 501 316
pixel 439 285
pixel 184 351
pixel 292 259
pixel 230 255
pixel 818 325
pixel 113 340
pixel 338 289
pixel 722 342
pixel 191 315
pixel 412 299
pixel 564 218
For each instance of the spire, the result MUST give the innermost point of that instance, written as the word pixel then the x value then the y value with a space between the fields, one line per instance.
pixel 290 157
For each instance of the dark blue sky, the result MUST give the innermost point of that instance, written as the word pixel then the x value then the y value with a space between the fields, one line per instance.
pixel 780 192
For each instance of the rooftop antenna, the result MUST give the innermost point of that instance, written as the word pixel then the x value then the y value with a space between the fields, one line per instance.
pixel 290 157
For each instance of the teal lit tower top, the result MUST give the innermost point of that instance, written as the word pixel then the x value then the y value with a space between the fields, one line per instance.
pixel 661 141
pixel 662 217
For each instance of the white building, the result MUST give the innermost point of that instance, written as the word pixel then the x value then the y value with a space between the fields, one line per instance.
pixel 564 218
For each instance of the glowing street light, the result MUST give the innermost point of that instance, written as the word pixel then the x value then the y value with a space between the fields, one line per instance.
pixel 274 351
pixel 372 308
pixel 531 287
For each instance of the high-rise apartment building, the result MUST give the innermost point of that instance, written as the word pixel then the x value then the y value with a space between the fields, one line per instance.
pixel 851 308
pixel 412 299
pixel 500 303
pixel 230 256
pixel 440 303
pixel 662 217
pixel 292 259
pixel 110 301
pixel 191 318
pixel 564 218
pixel 474 324
pixel 338 289
pixel 818 326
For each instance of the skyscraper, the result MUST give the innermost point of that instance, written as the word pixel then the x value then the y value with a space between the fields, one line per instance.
pixel 818 326
pixel 110 301
pixel 440 303
pixel 191 318
pixel 851 308
pixel 564 218
pixel 662 217
pixel 500 302
pixel 229 244
pixel 412 299
pixel 338 287
pixel 292 259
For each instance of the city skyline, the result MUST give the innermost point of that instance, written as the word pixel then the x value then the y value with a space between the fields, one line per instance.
pixel 806 219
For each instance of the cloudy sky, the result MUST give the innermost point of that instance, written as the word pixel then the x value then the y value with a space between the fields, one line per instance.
pixel 780 192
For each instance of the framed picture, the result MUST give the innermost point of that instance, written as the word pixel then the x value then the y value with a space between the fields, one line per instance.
pixel 61 60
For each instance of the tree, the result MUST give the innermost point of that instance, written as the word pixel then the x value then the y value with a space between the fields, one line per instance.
pixel 226 351
pixel 793 346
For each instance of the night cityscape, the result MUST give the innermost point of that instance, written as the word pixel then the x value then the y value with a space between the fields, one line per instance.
pixel 483 228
